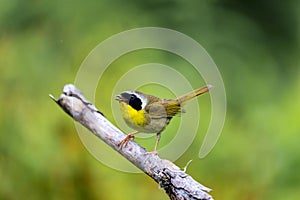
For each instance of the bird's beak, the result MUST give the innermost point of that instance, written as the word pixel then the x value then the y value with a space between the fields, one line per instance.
pixel 119 98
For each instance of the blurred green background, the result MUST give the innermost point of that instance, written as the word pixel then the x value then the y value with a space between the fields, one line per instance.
pixel 255 45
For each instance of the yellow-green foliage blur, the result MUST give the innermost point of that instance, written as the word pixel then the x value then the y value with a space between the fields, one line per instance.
pixel 255 45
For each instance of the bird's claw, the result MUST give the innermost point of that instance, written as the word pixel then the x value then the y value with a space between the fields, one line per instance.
pixel 125 141
pixel 154 152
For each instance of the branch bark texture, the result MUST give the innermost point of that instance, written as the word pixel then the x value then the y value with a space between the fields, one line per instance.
pixel 176 183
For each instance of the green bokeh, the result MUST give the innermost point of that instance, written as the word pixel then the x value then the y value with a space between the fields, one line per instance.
pixel 255 45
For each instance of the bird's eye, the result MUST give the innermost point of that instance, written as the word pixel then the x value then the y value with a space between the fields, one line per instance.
pixel 135 102
pixel 132 97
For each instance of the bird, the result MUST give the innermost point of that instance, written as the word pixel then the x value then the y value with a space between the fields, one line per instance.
pixel 146 113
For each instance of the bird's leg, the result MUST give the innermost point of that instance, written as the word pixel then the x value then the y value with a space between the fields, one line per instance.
pixel 154 151
pixel 126 139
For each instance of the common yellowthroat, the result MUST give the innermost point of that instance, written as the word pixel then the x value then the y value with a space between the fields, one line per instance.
pixel 149 114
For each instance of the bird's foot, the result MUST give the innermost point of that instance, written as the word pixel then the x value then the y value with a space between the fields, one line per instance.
pixel 153 152
pixel 125 141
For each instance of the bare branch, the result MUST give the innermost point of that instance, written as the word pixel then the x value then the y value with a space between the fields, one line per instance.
pixel 176 183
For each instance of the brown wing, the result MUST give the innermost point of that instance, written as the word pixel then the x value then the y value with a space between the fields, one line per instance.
pixel 155 108
pixel 172 107
pixel 161 108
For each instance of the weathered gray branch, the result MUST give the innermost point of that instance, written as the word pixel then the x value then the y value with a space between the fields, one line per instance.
pixel 176 183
